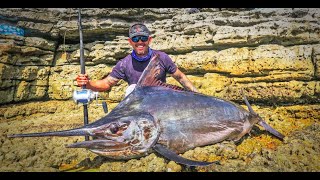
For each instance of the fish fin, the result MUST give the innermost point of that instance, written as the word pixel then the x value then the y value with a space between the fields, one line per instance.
pixel 248 104
pixel 271 130
pixel 262 122
pixel 150 76
pixel 174 157
pixel 151 73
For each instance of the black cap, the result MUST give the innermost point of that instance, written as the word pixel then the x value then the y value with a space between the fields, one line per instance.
pixel 138 30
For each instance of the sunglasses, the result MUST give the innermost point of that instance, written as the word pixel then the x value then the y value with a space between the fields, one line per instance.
pixel 142 38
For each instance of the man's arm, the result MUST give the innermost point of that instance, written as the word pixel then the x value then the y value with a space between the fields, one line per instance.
pixel 97 85
pixel 183 80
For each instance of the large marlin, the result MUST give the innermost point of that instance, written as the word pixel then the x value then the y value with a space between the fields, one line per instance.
pixel 164 118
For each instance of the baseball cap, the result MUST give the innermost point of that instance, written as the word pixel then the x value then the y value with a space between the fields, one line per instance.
pixel 138 30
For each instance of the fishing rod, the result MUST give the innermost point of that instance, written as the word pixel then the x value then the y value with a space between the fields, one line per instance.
pixel 84 95
pixel 83 70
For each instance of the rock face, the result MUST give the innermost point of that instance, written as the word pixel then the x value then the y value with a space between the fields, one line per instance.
pixel 273 54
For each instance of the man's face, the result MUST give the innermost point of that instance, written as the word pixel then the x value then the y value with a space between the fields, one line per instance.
pixel 140 47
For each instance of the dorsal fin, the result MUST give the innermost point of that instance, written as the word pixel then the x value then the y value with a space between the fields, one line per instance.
pixel 150 76
pixel 150 73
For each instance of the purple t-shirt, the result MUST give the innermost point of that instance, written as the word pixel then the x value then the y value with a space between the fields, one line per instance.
pixel 130 69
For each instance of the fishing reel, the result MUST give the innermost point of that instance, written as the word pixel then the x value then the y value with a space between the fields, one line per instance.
pixel 85 96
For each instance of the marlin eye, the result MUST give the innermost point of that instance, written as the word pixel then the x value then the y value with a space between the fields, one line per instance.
pixel 114 128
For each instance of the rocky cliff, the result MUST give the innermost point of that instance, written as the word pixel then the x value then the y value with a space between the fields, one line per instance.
pixel 273 55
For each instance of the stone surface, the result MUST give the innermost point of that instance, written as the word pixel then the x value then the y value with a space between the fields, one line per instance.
pixel 272 55
pixel 268 50
pixel 258 152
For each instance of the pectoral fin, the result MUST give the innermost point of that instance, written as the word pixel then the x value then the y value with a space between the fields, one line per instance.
pixel 175 157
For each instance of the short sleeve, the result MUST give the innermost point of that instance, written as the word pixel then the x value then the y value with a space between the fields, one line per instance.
pixel 118 70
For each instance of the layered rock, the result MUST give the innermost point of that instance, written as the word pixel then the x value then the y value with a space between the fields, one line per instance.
pixel 272 54
pixel 24 68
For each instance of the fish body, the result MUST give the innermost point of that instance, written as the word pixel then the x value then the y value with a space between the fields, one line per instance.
pixel 164 118
pixel 187 119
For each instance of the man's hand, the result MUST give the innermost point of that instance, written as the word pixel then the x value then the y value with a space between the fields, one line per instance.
pixel 82 79
pixel 96 85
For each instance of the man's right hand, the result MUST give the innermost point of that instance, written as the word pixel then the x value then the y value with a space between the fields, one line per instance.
pixel 82 79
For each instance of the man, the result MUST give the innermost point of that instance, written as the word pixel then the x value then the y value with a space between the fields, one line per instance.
pixel 131 67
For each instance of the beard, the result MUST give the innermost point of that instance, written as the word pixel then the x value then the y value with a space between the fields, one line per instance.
pixel 142 52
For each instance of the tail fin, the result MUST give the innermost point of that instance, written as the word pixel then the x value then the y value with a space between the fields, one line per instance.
pixel 262 122
pixel 271 130
pixel 248 105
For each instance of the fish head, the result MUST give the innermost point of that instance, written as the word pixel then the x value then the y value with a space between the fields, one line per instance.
pixel 127 137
